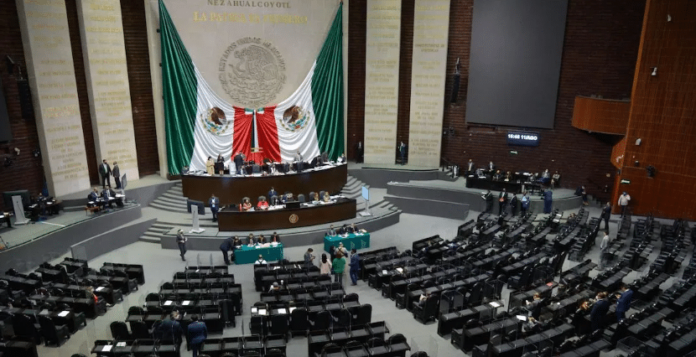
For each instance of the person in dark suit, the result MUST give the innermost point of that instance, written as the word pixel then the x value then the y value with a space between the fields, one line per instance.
pixel 502 202
pixel 343 230
pixel 214 204
pixel 109 196
pixel 624 302
pixel 534 306
pixel 491 167
pixel 331 232
pixel 548 201
pixel 272 193
pixel 470 167
pixel 197 333
pixel 220 165
pixel 606 214
pixel 105 171
pixel 275 238
pixel 402 153
pixel 239 162
pixel 514 204
pixel 170 330
pixel 599 311
pixel 116 173
pixel 225 248
pixel 488 197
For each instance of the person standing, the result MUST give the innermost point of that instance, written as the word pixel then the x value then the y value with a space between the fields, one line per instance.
pixel 308 258
pixel 116 173
pixel 339 265
pixel 402 153
pixel 603 249
pixel 324 265
pixel 239 162
pixel 220 165
pixel 181 241
pixel 502 202
pixel 624 302
pixel 599 311
pixel 548 201
pixel 584 196
pixel 214 204
pixel 105 171
pixel 514 204
pixel 210 166
pixel 470 168
pixel 197 333
pixel 170 330
pixel 624 199
pixel 225 248
pixel 488 197
pixel 606 214
pixel 525 203
pixel 354 266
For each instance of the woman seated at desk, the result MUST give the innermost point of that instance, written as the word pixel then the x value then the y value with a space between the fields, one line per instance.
pixel 246 205
pixel 275 238
pixel 251 240
pixel 262 205
pixel 262 239
pixel 327 197
pixel 315 198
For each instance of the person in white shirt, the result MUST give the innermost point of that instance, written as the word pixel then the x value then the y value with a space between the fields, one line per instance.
pixel 624 199
pixel 260 261
pixel 603 248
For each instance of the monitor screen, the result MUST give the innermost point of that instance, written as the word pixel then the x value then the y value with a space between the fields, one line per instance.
pixel 366 193
pixel 200 205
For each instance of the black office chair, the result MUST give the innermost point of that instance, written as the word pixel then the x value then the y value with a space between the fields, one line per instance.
pixel 330 348
pixel 227 310
pixel 51 332
pixel 322 321
pixel 256 169
pixel 397 342
pixel 342 318
pixel 279 325
pixel 364 315
pixel 140 331
pixel 24 327
pixel 152 297
pixel 301 198
pixel 274 352
pixel 119 331
pixel 258 325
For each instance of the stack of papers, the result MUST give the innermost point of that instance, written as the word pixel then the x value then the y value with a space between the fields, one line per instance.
pixel 282 311
pixel 100 288
pixel 63 313
pixel 107 348
pixel 167 303
pixel 263 312
pixel 186 302
pixel 121 344
pixel 495 304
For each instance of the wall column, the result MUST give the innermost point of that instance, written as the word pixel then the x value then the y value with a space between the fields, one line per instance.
pixel 382 80
pixel 101 30
pixel 50 68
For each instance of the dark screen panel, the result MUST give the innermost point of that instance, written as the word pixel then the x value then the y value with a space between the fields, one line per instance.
pixel 5 130
pixel 515 62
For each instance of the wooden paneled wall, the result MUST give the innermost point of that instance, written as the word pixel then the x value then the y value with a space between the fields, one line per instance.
pixel 598 115
pixel 663 114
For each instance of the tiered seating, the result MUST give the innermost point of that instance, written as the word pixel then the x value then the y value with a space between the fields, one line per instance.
pixel 52 303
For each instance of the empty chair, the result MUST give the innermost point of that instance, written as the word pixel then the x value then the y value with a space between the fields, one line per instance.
pixel 299 322
pixel 342 318
pixel 24 327
pixel 279 325
pixel 140 331
pixel 397 342
pixel 119 331
pixel 152 297
pixel 79 317
pixel 257 325
pixel 364 314
pixel 51 332
pixel 301 198
pixel 322 321
pixel 274 352
pixel 136 310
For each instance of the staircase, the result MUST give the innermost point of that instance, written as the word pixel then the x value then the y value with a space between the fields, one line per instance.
pixel 155 232
pixel 173 200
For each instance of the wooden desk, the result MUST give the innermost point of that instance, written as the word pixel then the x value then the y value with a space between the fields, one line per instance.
pixel 232 220
pixel 232 189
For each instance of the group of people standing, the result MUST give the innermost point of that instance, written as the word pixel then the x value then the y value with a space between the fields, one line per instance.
pixel 504 201
pixel 335 264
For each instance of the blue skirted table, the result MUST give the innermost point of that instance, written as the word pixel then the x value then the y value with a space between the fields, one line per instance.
pixel 352 241
pixel 248 255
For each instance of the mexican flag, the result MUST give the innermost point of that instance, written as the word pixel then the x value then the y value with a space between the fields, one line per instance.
pixel 200 124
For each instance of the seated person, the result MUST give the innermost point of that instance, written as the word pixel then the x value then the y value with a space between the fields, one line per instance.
pixel 275 287
pixel 532 326
pixel 275 238
pixel 555 179
pixel 315 198
pixel 251 240
pixel 423 298
pixel 260 260
pixel 262 205
pixel 343 230
pixel 341 159
pixel 261 240
pixel 498 176
pixel 109 196
pixel 93 198
pixel 508 176
pixel 327 197
pixel 534 306
pixel 331 232
pixel 353 228
pixel 288 197
pixel 246 205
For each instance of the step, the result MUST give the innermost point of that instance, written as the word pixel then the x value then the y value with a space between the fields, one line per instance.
pixel 176 196
pixel 172 200
pixel 168 208
pixel 149 240
pixel 152 234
